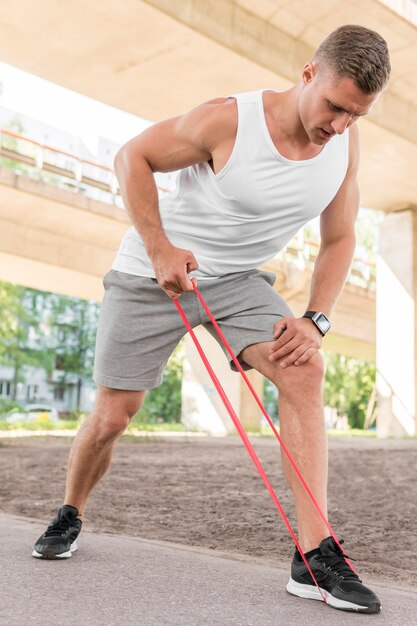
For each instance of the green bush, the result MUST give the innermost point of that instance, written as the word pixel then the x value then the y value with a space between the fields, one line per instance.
pixel 6 406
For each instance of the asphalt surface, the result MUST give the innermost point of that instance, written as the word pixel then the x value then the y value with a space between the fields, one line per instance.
pixel 115 580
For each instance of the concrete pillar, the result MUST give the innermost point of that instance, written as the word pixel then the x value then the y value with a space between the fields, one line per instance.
pixel 202 407
pixel 396 326
pixel 250 413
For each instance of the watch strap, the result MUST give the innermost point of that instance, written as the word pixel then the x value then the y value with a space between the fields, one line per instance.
pixel 312 315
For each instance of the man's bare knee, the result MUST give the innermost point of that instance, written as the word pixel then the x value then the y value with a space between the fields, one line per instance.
pixel 113 410
pixel 300 379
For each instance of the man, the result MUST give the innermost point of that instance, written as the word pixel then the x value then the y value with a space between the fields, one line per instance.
pixel 255 167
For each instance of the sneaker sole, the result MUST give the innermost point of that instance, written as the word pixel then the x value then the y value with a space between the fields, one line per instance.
pixel 51 555
pixel 312 593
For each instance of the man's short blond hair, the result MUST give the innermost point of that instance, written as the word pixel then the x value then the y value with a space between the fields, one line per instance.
pixel 358 53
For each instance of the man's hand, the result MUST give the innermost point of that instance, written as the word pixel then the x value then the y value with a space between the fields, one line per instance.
pixel 172 266
pixel 297 339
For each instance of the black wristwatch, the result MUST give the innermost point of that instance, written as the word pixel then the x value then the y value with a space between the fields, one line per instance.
pixel 319 320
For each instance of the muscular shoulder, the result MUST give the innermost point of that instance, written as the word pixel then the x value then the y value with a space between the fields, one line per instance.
pixel 181 141
pixel 212 121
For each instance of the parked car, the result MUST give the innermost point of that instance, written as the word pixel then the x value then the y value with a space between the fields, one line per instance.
pixel 33 412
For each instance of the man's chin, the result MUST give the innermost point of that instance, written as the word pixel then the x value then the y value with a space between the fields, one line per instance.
pixel 316 140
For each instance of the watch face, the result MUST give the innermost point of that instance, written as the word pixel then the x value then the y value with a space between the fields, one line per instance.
pixel 323 323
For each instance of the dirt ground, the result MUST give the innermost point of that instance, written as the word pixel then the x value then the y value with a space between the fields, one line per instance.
pixel 206 492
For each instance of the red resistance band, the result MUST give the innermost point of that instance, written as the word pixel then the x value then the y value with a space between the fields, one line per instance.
pixel 243 434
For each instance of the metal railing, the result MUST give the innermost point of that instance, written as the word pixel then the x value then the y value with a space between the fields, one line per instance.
pixel 66 170
pixel 58 167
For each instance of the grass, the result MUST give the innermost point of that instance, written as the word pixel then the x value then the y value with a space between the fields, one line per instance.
pixel 39 425
pixel 46 424
pixel 352 432
pixel 266 431
pixel 154 428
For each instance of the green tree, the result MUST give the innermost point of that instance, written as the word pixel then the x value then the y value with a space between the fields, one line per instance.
pixel 57 333
pixel 348 386
pixel 270 399
pixel 72 325
pixel 21 342
pixel 54 332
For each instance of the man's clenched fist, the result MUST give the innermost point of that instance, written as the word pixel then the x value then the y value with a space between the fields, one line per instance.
pixel 172 266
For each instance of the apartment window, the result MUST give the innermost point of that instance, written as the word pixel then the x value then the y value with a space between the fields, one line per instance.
pixel 59 393
pixel 20 391
pixel 5 388
pixel 32 392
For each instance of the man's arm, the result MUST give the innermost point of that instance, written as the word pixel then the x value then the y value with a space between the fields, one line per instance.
pixel 338 241
pixel 165 147
pixel 301 338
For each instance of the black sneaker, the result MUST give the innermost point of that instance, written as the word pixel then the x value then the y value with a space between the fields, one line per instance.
pixel 59 539
pixel 341 587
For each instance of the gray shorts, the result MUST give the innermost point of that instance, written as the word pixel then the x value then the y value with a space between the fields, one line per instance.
pixel 139 325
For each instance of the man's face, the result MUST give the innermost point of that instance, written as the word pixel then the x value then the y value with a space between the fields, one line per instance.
pixel 328 104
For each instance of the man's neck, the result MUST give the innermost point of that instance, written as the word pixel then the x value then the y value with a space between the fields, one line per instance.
pixel 285 124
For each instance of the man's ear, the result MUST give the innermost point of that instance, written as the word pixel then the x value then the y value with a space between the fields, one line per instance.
pixel 309 72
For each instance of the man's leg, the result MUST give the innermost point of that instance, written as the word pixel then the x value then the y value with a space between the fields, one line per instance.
pixel 248 314
pixel 90 456
pixel 303 432
pixel 92 449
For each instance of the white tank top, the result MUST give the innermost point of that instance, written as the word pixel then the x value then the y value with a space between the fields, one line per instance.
pixel 245 214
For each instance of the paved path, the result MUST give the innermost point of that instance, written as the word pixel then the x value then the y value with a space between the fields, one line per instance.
pixel 115 580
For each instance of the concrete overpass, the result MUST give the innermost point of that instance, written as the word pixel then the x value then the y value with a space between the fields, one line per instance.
pixel 125 54
pixel 159 58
